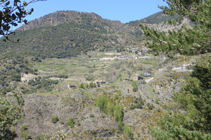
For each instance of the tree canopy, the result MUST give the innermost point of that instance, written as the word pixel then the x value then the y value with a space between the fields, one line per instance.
pixel 187 40
pixel 195 96
pixel 12 13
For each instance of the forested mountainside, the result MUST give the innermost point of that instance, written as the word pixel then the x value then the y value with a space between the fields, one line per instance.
pixel 69 33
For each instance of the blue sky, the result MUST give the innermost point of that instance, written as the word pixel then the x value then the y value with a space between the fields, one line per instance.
pixel 122 10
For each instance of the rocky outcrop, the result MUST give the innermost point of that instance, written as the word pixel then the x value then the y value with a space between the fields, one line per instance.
pixel 165 27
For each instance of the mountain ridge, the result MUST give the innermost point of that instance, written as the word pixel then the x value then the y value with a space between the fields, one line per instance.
pixel 65 34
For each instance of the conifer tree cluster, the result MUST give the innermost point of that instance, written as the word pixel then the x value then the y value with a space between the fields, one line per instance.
pixel 185 41
pixel 195 101
pixel 194 121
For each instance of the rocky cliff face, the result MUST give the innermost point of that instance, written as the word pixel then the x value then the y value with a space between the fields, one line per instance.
pixel 163 26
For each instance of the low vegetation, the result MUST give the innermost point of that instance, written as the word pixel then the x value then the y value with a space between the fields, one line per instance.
pixel 135 88
pixel 70 122
pixel 54 119
pixel 114 109
pixel 137 103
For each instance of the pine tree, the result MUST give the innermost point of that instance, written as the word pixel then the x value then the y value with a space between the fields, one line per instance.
pixel 185 41
pixel 118 114
pixel 195 96
pixel 194 99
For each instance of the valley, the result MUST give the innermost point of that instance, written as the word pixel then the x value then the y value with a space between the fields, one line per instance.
pixel 76 90
pixel 85 77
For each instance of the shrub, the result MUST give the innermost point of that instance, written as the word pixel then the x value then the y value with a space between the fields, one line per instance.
pixel 157 101
pixel 39 138
pixel 128 131
pixel 150 106
pixel 119 92
pixel 101 102
pixel 62 76
pixel 23 127
pixel 173 87
pixel 118 114
pixel 86 85
pixel 139 102
pixel 62 122
pixel 82 85
pixel 110 108
pixel 135 88
pixel 54 119
pixel 158 109
pixel 25 135
pixel 169 112
pixel 70 122
pixel 116 96
pixel 92 115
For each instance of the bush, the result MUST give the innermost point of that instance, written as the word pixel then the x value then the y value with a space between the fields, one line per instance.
pixel 23 127
pixel 25 135
pixel 54 119
pixel 92 115
pixel 62 122
pixel 110 108
pixel 70 122
pixel 116 96
pixel 39 138
pixel 119 92
pixel 101 102
pixel 150 106
pixel 169 112
pixel 135 88
pixel 62 76
pixel 128 131
pixel 173 87
pixel 82 85
pixel 118 113
pixel 139 102
pixel 157 100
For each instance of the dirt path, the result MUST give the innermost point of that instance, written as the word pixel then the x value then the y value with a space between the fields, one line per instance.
pixel 148 80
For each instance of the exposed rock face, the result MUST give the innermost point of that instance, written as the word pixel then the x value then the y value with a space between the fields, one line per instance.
pixel 27 77
pixel 165 26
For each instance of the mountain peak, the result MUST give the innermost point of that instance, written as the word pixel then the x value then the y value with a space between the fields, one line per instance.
pixel 57 18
